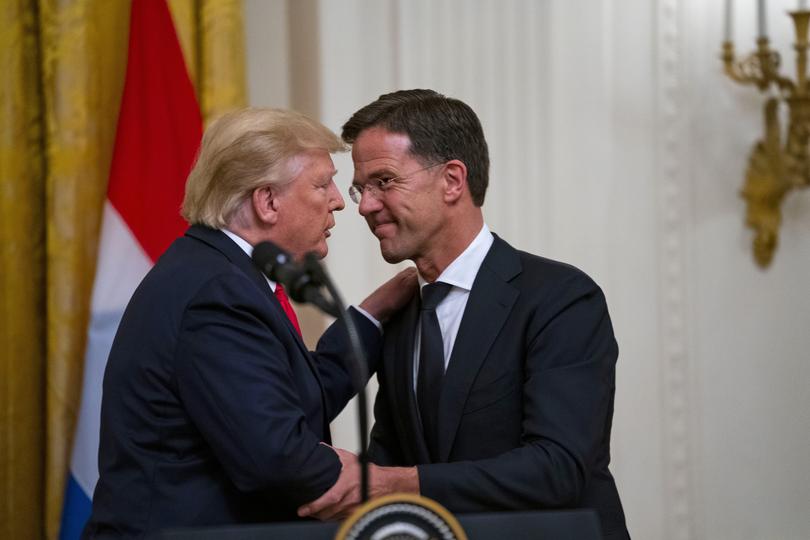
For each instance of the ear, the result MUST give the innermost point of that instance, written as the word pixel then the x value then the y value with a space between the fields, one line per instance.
pixel 265 203
pixel 455 180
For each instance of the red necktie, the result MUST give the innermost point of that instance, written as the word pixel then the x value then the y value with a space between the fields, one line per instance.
pixel 281 296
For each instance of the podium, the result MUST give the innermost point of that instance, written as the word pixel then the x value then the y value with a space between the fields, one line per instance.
pixel 562 525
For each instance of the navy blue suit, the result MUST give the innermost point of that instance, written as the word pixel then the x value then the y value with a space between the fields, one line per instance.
pixel 527 399
pixel 213 409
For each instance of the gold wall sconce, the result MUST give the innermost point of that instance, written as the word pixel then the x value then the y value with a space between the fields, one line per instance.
pixel 778 163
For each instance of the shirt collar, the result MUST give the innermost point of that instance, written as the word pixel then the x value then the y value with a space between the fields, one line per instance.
pixel 462 271
pixel 247 248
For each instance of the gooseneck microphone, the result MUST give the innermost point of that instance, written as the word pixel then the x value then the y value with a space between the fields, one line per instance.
pixel 303 282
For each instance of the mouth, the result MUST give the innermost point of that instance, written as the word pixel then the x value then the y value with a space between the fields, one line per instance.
pixel 383 229
pixel 326 232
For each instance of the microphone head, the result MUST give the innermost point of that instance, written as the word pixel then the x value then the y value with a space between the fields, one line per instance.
pixel 272 260
pixel 300 280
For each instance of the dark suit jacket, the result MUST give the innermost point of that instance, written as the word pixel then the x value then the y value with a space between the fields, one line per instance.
pixel 527 400
pixel 213 409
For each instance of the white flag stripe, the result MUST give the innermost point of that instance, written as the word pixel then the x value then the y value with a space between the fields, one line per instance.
pixel 122 264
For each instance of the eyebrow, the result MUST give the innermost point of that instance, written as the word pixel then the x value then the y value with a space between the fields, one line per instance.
pixel 326 177
pixel 379 173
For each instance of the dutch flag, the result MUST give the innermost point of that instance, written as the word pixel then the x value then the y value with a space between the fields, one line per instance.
pixel 158 133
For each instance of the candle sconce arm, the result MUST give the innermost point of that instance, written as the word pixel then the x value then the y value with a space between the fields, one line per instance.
pixel 760 68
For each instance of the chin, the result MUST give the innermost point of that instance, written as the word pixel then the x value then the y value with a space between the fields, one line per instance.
pixel 321 250
pixel 391 256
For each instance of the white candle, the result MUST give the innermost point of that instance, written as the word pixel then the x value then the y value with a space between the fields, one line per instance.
pixel 762 23
pixel 728 29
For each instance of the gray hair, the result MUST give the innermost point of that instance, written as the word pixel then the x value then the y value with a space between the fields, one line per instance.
pixel 244 150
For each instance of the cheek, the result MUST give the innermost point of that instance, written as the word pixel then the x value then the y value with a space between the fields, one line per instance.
pixel 403 210
pixel 319 205
pixel 416 214
pixel 308 216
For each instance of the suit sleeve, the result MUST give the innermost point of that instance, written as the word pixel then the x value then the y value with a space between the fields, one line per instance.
pixel 567 400
pixel 235 381
pixel 334 360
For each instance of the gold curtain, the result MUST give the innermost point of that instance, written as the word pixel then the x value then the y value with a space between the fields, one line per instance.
pixel 64 63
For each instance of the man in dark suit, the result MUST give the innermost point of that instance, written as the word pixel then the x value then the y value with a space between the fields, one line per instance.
pixel 213 410
pixel 496 388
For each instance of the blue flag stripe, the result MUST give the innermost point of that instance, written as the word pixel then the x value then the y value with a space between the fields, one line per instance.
pixel 76 511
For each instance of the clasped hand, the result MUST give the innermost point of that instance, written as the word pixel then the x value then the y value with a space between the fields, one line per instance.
pixel 344 496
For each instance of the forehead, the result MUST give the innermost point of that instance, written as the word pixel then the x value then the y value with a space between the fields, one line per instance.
pixel 314 162
pixel 377 147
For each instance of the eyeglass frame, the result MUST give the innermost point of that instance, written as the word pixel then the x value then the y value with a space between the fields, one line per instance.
pixel 376 186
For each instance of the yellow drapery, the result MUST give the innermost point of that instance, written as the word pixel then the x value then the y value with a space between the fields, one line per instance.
pixel 64 63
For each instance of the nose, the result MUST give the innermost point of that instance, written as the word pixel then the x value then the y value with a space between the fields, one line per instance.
pixel 336 200
pixel 369 203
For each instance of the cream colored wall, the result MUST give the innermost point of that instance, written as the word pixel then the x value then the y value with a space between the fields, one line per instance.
pixel 268 52
pixel 750 344
pixel 618 146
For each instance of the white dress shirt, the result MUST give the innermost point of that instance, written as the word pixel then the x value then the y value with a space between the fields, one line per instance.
pixel 461 275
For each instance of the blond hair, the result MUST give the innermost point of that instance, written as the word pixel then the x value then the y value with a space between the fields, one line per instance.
pixel 244 150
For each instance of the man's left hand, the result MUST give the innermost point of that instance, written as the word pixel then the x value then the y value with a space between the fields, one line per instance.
pixel 337 503
pixel 392 295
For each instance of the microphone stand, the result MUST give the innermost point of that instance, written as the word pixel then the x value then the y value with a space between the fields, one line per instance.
pixel 405 512
pixel 360 372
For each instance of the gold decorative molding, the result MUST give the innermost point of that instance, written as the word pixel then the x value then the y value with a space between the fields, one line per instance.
pixel 775 166
pixel 765 187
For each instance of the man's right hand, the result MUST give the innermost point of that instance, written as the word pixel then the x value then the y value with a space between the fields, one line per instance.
pixel 342 499
pixel 392 295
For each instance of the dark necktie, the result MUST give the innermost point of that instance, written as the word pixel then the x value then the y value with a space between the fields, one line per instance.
pixel 431 364
pixel 281 296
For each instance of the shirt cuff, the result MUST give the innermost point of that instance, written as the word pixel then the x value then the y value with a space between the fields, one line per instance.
pixel 369 317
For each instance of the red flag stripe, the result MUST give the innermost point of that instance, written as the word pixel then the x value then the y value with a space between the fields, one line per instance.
pixel 159 131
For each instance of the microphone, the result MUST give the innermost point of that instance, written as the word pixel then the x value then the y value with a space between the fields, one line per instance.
pixel 302 281
pixel 393 514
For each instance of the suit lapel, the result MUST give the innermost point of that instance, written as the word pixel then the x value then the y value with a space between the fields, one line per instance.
pixel 489 304
pixel 237 256
pixel 220 241
pixel 398 355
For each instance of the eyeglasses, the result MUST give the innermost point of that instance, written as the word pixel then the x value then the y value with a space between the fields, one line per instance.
pixel 377 186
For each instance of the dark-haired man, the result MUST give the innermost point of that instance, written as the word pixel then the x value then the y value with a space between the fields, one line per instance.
pixel 497 387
